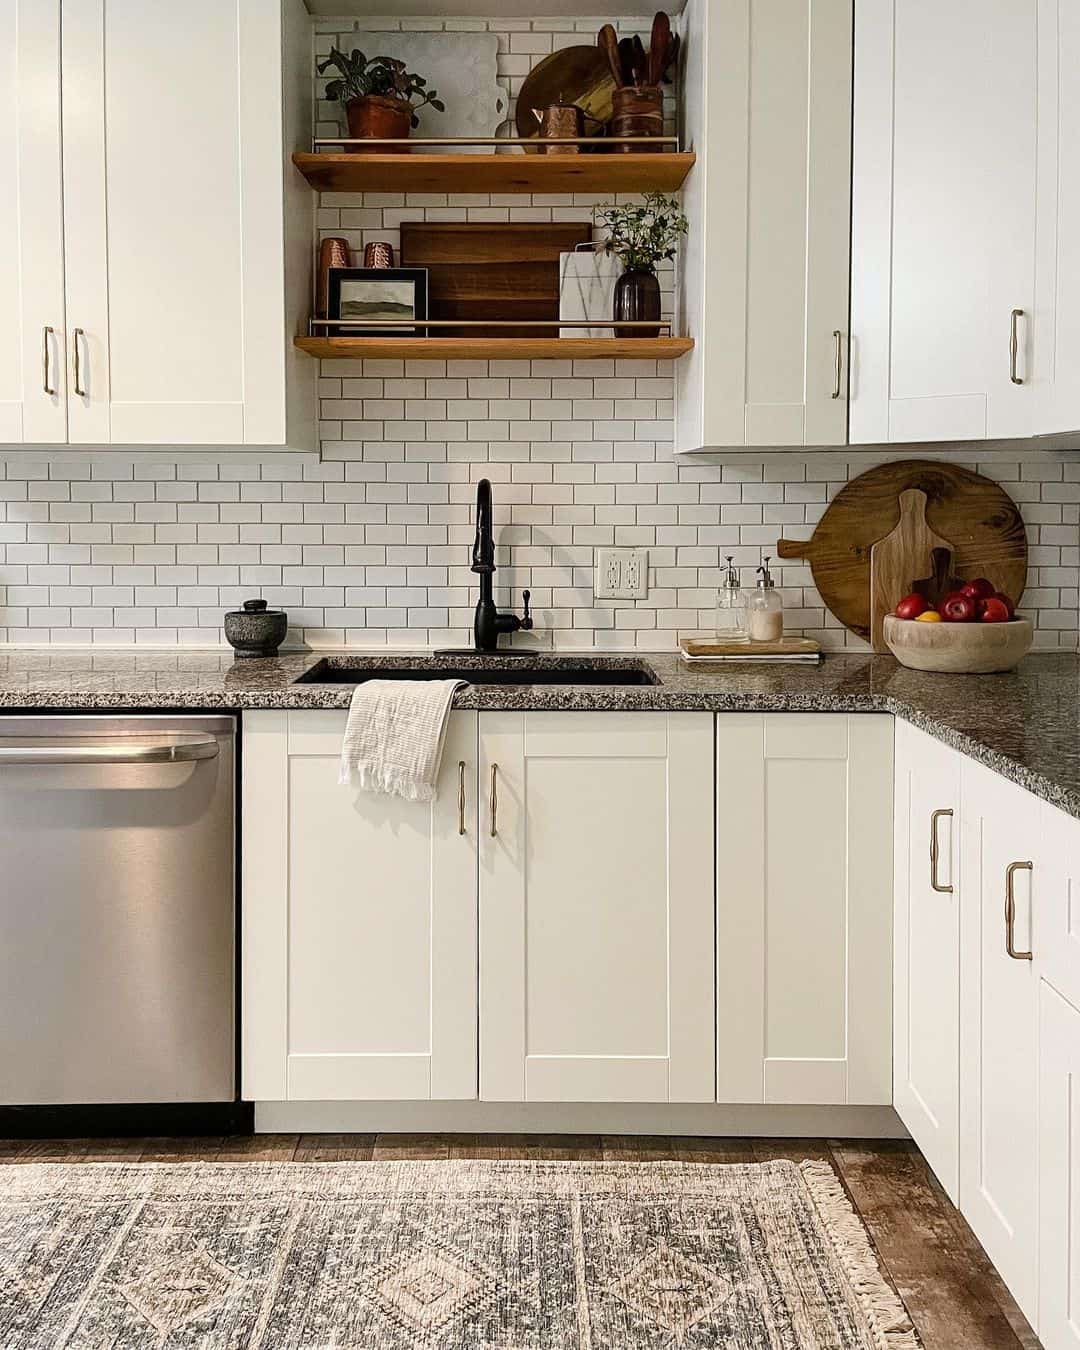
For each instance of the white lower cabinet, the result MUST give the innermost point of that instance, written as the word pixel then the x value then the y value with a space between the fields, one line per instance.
pixel 596 907
pixel 1002 892
pixel 926 949
pixel 1059 1171
pixel 359 923
pixel 804 876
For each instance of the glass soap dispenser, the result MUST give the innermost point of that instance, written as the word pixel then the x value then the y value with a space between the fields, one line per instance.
pixel 765 608
pixel 731 624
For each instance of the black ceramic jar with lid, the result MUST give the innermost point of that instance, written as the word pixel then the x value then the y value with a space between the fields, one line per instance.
pixel 256 630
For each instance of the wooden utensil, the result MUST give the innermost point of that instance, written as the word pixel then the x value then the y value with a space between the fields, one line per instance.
pixel 574 75
pixel 937 585
pixel 897 559
pixel 608 42
pixel 492 271
pixel 981 521
pixel 640 62
pixel 659 41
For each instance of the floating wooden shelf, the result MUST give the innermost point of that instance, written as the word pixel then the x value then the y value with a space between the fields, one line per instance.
pixel 662 171
pixel 496 349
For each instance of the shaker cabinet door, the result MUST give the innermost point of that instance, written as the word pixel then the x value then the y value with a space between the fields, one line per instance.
pixel 1000 843
pixel 926 949
pixel 172 123
pixel 33 398
pixel 803 908
pixel 596 907
pixel 1059 1171
pixel 359 922
pixel 944 220
pixel 768 111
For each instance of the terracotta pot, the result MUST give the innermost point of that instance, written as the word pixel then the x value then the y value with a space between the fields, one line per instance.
pixel 637 297
pixel 637 112
pixel 377 116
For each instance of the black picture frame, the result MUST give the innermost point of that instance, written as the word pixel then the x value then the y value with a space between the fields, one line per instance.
pixel 341 281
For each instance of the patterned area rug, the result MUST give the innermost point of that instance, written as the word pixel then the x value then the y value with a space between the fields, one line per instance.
pixel 438 1256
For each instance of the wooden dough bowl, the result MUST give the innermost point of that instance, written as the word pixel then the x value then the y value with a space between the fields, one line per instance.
pixel 958 648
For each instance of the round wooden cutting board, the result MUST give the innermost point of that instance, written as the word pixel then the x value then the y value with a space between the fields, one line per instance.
pixel 978 518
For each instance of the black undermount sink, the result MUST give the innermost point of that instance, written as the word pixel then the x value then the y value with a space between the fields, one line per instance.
pixel 483 670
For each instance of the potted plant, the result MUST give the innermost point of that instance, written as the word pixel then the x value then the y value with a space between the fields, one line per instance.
pixel 381 96
pixel 640 236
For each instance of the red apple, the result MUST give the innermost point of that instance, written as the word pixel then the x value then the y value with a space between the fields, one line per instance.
pixel 979 589
pixel 957 608
pixel 911 606
pixel 994 611
pixel 1006 601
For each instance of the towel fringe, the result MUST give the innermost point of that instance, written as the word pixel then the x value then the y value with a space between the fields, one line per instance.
pixel 888 1319
pixel 386 778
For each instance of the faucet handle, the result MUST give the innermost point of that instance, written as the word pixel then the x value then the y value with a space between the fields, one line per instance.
pixel 526 622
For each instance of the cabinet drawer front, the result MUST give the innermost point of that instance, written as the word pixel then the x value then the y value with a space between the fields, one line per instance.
pixel 605 735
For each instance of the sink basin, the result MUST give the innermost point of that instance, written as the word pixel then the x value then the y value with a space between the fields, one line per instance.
pixel 495 670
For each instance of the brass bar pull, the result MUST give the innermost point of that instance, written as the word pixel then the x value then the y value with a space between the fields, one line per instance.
pixel 934 884
pixel 1014 344
pixel 77 336
pixel 838 377
pixel 494 800
pixel 1010 910
pixel 461 797
pixel 46 384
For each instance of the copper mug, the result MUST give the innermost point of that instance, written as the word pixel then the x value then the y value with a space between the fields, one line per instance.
pixel 333 252
pixel 561 121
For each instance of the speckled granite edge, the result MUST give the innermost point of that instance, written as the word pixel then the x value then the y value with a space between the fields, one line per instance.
pixel 1024 726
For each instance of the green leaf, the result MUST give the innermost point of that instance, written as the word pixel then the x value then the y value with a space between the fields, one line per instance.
pixel 438 105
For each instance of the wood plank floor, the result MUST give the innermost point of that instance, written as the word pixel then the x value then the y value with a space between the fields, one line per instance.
pixel 953 1294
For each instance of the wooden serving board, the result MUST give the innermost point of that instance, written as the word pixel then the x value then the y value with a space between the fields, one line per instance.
pixel 979 519
pixel 491 271
pixel 788 646
pixel 899 560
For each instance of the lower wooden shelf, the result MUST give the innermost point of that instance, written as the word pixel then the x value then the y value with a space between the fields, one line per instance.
pixel 496 349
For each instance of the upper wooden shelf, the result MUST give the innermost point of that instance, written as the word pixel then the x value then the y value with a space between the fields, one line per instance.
pixel 662 171
pixel 496 349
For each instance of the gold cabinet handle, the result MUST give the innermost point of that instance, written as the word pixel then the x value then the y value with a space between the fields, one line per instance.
pixel 77 336
pixel 1010 910
pixel 494 800
pixel 461 796
pixel 935 816
pixel 1014 344
pixel 46 384
pixel 838 376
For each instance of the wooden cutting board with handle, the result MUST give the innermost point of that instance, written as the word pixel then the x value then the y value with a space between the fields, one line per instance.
pixel 979 519
pixel 898 560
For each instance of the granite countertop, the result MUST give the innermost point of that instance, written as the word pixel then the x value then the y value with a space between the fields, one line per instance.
pixel 1025 724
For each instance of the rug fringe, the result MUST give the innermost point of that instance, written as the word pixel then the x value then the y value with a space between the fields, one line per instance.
pixel 888 1318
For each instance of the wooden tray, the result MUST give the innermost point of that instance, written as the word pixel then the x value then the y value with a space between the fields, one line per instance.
pixel 979 519
pixel 492 271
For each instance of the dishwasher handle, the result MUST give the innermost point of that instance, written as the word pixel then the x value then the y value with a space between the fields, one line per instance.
pixel 30 750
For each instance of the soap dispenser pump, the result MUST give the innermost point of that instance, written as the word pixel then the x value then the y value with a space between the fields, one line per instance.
pixel 765 607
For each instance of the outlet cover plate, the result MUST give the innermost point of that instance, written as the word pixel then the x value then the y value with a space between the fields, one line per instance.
pixel 621 574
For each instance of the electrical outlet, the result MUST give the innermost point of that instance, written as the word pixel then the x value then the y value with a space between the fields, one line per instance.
pixel 621 574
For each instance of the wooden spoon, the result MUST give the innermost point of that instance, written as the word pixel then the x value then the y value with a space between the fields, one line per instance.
pixel 626 60
pixel 608 42
pixel 659 42
pixel 641 62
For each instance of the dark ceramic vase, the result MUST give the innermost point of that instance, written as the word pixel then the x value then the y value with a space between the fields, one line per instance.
pixel 256 630
pixel 637 298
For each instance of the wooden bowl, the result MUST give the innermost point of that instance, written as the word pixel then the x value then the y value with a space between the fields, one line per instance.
pixel 958 648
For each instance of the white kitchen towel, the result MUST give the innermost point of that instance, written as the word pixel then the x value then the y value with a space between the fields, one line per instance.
pixel 394 736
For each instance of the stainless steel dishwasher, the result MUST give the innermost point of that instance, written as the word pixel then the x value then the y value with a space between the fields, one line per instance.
pixel 117 909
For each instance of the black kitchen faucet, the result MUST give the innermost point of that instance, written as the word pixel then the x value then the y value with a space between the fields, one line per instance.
pixel 489 622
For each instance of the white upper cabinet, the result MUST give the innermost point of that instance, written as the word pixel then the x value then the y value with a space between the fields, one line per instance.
pixel 926 949
pixel 33 396
pixel 1056 339
pixel 180 217
pixel 803 912
pixel 966 220
pixel 765 275
pixel 596 907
